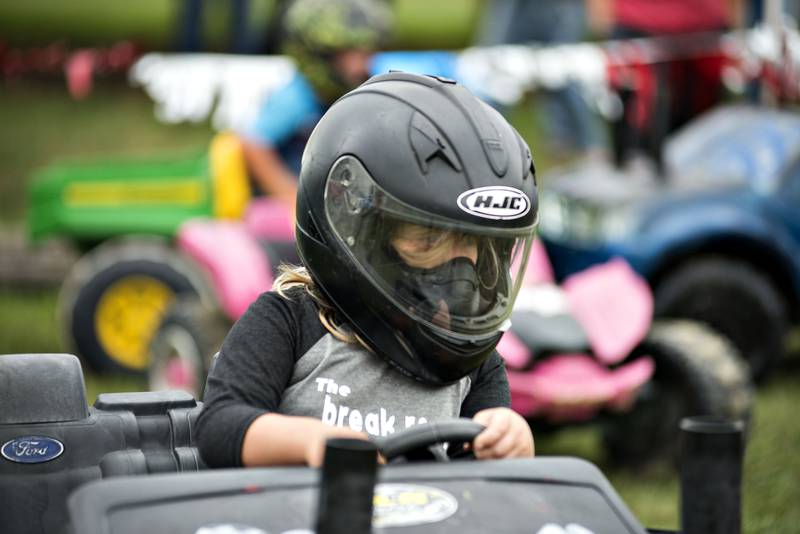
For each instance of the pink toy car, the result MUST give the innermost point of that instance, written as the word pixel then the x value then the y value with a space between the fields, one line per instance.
pixel 588 351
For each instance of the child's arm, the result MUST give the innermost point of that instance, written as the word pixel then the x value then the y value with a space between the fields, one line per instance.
pixel 275 439
pixel 253 369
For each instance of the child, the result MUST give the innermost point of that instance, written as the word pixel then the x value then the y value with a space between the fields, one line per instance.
pixel 331 43
pixel 415 214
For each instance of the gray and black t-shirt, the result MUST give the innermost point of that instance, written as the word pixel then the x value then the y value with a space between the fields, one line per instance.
pixel 279 358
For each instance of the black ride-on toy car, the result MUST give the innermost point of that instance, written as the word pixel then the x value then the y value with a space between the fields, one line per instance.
pixel 67 467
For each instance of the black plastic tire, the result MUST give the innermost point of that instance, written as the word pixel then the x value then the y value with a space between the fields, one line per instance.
pixel 138 264
pixel 698 372
pixel 734 299
pixel 183 346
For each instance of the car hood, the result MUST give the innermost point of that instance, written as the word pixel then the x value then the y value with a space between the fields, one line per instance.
pixel 723 152
pixel 732 145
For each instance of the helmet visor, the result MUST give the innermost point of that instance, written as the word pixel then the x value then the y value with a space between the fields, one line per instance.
pixel 457 278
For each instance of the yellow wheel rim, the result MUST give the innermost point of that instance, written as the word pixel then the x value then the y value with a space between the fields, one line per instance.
pixel 127 317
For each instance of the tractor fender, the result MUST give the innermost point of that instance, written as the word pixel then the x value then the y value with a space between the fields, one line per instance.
pixel 704 228
pixel 239 269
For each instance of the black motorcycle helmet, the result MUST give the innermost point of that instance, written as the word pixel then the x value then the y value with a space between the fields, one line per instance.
pixel 416 210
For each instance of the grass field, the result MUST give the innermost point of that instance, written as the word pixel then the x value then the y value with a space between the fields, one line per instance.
pixel 153 23
pixel 42 125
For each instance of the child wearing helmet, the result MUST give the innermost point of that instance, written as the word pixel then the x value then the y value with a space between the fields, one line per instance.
pixel 416 210
pixel 331 42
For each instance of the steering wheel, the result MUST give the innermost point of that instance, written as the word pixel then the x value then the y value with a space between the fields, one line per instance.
pixel 426 441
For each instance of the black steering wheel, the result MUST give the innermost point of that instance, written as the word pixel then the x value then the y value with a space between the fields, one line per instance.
pixel 426 441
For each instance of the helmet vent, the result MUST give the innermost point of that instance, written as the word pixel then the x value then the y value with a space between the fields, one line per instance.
pixel 496 154
pixel 491 139
pixel 428 143
pixel 531 166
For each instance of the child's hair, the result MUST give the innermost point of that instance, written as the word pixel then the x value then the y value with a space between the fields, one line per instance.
pixel 296 276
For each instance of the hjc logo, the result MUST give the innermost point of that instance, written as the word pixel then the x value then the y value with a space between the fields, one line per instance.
pixel 489 201
pixel 495 202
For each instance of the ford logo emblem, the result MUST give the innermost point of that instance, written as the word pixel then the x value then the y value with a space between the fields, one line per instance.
pixel 495 202
pixel 32 449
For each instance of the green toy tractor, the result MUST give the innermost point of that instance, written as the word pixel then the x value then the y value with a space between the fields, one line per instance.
pixel 124 215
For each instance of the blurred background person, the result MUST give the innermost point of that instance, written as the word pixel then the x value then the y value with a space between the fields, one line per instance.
pixel 623 19
pixel 331 41
pixel 571 127
pixel 248 34
pixel 666 95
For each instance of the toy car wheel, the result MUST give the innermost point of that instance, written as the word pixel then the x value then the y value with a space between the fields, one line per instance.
pixel 184 344
pixel 734 299
pixel 114 297
pixel 697 372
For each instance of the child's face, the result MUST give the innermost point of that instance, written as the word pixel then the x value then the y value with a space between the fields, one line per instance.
pixel 353 65
pixel 453 291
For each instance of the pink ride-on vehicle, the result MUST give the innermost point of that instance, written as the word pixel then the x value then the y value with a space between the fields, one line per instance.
pixel 583 351
pixel 239 260
pixel 588 350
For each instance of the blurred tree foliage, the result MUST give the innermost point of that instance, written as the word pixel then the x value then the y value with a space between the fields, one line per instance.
pixel 153 24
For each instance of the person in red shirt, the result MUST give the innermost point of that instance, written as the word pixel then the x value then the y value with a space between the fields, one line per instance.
pixel 667 94
pixel 659 17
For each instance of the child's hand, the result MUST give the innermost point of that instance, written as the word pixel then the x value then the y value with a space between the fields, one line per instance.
pixel 507 435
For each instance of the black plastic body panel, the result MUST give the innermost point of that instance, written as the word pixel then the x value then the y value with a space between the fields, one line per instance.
pixel 487 496
pixel 133 433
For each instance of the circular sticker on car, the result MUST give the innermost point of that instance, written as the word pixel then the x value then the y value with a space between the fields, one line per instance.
pixel 401 505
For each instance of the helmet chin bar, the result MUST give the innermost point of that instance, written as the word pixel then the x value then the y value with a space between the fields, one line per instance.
pixel 445 290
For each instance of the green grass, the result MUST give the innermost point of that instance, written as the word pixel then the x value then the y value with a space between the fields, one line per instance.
pixel 42 125
pixel 86 22
pixel 443 24
pixel 771 487
pixel 28 322
pixel 772 465
pixel 153 23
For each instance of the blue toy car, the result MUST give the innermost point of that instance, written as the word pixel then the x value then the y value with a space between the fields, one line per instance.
pixel 717 234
